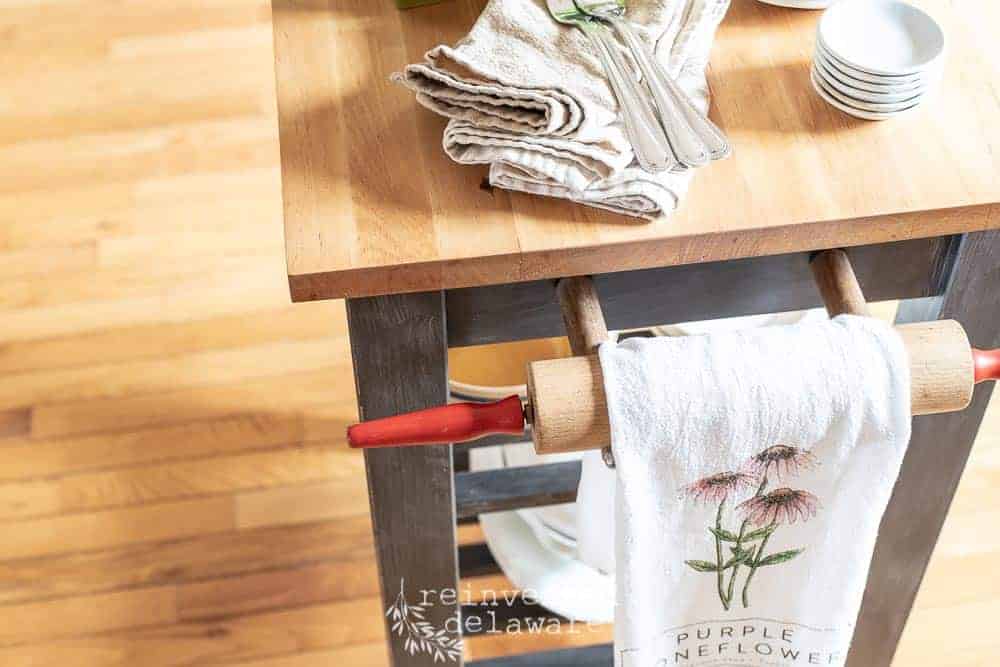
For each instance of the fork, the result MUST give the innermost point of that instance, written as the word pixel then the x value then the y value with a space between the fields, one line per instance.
pixel 649 143
pixel 694 138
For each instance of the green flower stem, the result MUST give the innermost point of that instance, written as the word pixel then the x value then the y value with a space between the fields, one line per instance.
pixel 739 544
pixel 718 557
pixel 736 567
pixel 753 566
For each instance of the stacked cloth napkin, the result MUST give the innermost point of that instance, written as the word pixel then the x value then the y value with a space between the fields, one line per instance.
pixel 753 469
pixel 529 97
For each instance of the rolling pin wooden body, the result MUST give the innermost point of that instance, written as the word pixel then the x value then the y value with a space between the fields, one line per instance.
pixel 570 412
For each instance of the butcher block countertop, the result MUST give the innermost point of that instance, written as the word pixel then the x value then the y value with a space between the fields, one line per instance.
pixel 373 206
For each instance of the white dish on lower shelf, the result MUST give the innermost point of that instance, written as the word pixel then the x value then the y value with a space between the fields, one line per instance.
pixel 799 4
pixel 523 547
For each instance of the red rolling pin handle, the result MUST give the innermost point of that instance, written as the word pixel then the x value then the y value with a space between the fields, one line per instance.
pixel 987 364
pixel 458 422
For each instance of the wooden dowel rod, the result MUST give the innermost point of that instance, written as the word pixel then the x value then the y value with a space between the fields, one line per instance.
pixel 586 330
pixel 582 314
pixel 837 283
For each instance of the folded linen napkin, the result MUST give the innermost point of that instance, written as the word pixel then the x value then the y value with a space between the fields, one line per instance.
pixel 529 97
pixel 753 469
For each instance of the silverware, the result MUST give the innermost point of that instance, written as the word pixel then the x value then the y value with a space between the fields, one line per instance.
pixel 650 144
pixel 694 138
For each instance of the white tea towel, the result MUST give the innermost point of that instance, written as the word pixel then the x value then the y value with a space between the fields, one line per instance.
pixel 753 469
pixel 529 97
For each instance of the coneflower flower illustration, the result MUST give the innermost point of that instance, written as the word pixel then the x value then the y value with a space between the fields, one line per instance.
pixel 782 505
pixel 784 460
pixel 716 488
pixel 762 514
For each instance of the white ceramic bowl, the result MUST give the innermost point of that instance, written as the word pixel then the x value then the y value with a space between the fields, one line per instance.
pixel 882 37
pixel 865 105
pixel 828 97
pixel 881 79
pixel 860 94
pixel 532 561
pixel 830 70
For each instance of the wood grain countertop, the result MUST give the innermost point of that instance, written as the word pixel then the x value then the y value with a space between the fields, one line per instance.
pixel 373 206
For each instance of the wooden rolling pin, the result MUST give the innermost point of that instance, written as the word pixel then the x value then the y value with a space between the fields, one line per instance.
pixel 567 406
pixel 570 412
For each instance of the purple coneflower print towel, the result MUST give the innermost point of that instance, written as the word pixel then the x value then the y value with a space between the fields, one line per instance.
pixel 753 469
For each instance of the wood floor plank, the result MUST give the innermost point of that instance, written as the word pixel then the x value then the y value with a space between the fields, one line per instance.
pixel 198 145
pixel 221 200
pixel 14 423
pixel 99 530
pixel 469 533
pixel 205 40
pixel 218 557
pixel 954 580
pixel 114 283
pixel 24 458
pixel 297 391
pixel 71 214
pixel 233 640
pixel 69 617
pixel 298 587
pixel 187 246
pixel 83 19
pixel 365 655
pixel 929 635
pixel 167 374
pixel 70 112
pixel 90 492
pixel 300 504
pixel 149 342
pixel 21 264
pixel 67 213
pixel 187 305
pixel 28 499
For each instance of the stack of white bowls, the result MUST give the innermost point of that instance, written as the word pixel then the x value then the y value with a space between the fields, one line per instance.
pixel 876 58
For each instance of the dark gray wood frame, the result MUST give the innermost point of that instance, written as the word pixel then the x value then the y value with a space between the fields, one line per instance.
pixel 399 344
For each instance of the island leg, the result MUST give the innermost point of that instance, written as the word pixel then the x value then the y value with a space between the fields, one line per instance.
pixel 400 352
pixel 935 459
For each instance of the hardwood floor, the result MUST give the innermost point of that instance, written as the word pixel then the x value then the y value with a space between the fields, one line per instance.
pixel 174 487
